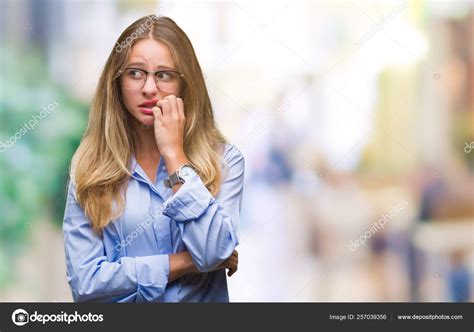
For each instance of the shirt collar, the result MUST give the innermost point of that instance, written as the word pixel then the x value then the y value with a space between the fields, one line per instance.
pixel 136 169
pixel 133 164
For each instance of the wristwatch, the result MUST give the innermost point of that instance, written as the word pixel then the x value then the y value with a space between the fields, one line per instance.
pixel 180 176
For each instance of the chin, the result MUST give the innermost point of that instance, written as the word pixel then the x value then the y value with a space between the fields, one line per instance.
pixel 143 119
pixel 147 120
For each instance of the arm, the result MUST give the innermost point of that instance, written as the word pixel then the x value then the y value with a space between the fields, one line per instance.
pixel 209 225
pixel 182 263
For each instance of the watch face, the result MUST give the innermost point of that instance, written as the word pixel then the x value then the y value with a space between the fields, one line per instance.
pixel 186 171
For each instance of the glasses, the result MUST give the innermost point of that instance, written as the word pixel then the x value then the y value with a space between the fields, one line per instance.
pixel 166 80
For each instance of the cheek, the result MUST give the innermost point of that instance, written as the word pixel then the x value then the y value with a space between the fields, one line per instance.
pixel 179 91
pixel 128 98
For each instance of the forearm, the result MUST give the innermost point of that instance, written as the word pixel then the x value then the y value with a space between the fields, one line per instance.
pixel 173 162
pixel 181 264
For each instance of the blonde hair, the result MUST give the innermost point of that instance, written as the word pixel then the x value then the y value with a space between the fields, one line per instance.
pixel 99 167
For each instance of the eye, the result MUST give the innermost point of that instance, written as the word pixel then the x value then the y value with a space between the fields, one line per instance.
pixel 135 73
pixel 166 76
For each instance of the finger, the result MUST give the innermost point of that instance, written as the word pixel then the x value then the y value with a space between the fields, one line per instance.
pixel 174 106
pixel 180 108
pixel 158 115
pixel 234 262
pixel 165 108
pixel 231 272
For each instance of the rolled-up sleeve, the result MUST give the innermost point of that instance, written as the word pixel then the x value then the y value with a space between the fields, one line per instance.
pixel 93 278
pixel 208 225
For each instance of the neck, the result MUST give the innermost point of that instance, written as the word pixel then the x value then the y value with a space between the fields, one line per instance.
pixel 146 142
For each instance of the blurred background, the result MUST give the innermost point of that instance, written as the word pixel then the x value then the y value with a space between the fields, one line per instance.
pixel 356 120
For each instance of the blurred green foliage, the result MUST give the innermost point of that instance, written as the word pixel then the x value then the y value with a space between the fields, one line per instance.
pixel 34 169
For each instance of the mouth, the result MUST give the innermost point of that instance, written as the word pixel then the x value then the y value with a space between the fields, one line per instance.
pixel 146 106
pixel 149 103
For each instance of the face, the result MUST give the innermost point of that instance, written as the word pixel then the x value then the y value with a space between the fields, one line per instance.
pixel 148 55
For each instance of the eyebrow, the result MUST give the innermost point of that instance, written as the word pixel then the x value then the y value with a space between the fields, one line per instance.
pixel 142 64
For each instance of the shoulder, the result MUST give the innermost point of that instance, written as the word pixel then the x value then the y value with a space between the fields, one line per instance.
pixel 71 191
pixel 233 162
pixel 232 155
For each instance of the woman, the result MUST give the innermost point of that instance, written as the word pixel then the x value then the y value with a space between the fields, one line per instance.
pixel 155 191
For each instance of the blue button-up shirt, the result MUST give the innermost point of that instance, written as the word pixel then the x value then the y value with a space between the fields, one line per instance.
pixel 130 261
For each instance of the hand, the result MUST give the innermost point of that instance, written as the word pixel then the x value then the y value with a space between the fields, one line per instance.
pixel 169 123
pixel 230 263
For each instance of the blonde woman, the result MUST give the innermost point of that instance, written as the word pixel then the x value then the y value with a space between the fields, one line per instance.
pixel 155 190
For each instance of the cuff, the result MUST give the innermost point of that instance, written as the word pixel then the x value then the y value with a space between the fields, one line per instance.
pixel 152 277
pixel 189 202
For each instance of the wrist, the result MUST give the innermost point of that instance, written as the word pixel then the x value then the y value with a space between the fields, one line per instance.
pixel 170 153
pixel 190 266
pixel 174 160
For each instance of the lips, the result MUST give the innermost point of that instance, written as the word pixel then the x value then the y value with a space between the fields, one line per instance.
pixel 149 103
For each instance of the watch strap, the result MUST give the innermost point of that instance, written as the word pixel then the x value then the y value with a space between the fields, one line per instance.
pixel 175 178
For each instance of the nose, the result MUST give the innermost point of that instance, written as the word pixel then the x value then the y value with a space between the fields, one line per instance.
pixel 150 89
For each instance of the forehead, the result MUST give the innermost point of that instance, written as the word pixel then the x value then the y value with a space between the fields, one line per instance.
pixel 151 53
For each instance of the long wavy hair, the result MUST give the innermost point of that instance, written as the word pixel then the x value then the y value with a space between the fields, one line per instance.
pixel 100 165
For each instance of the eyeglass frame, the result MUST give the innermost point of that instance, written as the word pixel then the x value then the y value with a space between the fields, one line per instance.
pixel 147 72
